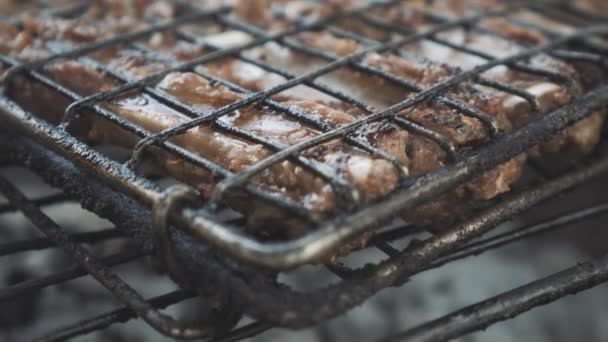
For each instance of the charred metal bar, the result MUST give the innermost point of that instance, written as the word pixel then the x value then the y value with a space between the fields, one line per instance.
pixel 71 10
pixel 444 142
pixel 396 234
pixel 42 243
pixel 560 222
pixel 509 304
pixel 340 270
pixel 446 242
pixel 387 249
pixel 249 330
pixel 103 321
pixel 526 95
pixel 130 217
pixel 64 11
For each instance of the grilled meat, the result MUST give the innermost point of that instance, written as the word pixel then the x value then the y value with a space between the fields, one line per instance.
pixel 549 94
pixel 370 176
pixel 429 62
pixel 428 66
pixel 424 155
pixel 418 153
pixel 593 6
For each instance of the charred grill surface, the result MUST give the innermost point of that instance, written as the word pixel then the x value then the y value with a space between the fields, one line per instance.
pixel 317 123
pixel 332 175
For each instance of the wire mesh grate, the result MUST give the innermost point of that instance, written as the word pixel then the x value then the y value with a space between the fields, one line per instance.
pixel 351 217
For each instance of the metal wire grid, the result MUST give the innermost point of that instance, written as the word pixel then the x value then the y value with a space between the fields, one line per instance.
pixel 359 290
pixel 502 307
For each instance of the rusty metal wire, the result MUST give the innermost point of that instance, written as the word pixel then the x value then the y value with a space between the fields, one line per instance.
pixel 203 227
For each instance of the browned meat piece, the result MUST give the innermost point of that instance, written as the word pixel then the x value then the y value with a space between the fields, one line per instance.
pixel 597 7
pixel 9 7
pixel 327 42
pixel 254 11
pixel 579 139
pixel 7 32
pixel 64 29
pixel 127 10
pixel 258 12
pixel 425 156
pixel 48 104
pixel 100 9
pixel 462 130
pixel 357 168
pixel 549 95
pixel 369 176
pixel 12 8
pixel 372 176
pixel 419 154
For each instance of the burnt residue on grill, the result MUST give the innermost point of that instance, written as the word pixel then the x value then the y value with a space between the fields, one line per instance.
pixel 344 139
pixel 313 194
pixel 134 220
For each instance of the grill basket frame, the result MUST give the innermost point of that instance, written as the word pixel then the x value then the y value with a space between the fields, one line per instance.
pixel 240 262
